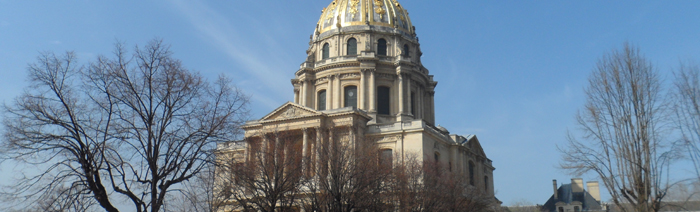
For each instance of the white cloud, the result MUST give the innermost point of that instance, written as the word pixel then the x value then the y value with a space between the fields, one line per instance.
pixel 224 35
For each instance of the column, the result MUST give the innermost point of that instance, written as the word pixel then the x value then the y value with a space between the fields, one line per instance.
pixel 329 93
pixel 331 151
pixel 409 100
pixel 419 105
pixel 317 146
pixel 432 106
pixel 338 92
pixel 276 148
pixel 303 92
pixel 353 138
pixel 304 149
pixel 401 94
pixel 296 95
pixel 372 92
pixel 264 148
pixel 361 90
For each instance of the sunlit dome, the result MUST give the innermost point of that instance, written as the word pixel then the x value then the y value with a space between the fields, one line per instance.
pixel 348 13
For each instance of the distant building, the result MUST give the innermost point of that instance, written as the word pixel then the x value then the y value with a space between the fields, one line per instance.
pixel 574 198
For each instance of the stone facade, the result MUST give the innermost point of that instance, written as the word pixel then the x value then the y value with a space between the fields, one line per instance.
pixel 386 59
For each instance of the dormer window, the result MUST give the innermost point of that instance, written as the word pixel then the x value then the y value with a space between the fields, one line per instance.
pixel 352 47
pixel 326 51
pixel 381 47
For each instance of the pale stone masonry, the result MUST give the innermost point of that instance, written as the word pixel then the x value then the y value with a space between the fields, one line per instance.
pixel 363 72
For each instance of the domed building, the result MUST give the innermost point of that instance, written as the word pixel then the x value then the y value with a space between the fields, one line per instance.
pixel 363 73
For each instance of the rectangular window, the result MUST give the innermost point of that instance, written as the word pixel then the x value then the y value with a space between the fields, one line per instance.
pixel 321 100
pixel 387 158
pixel 383 100
pixel 350 96
pixel 413 104
pixel 486 183
pixel 471 173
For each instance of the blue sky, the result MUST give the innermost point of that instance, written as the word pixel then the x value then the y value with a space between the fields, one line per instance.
pixel 511 72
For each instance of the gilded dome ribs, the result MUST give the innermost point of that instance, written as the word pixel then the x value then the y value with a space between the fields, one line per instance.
pixel 383 13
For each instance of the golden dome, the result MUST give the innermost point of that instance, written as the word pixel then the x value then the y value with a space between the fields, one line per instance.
pixel 345 13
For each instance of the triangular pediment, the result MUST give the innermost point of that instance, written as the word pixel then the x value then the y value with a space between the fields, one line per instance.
pixel 475 146
pixel 290 110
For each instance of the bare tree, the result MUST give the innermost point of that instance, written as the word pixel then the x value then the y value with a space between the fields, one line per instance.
pixel 428 186
pixel 134 126
pixel 266 176
pixel 622 125
pixel 687 110
pixel 348 175
pixel 197 194
pixel 64 199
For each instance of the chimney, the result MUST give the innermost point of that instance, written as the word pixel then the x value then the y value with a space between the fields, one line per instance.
pixel 554 185
pixel 594 190
pixel 576 185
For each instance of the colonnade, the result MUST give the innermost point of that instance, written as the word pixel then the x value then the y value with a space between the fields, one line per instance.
pixel 305 94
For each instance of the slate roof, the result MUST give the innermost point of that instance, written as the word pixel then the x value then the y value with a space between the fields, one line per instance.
pixel 567 196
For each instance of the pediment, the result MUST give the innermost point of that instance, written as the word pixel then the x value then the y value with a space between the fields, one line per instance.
pixel 473 143
pixel 290 110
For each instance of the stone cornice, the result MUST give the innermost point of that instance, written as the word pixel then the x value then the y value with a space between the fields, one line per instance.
pixel 336 65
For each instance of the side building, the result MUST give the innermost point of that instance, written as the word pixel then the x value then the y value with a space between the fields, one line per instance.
pixel 574 198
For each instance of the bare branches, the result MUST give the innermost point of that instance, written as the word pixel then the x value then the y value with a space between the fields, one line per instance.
pixel 335 170
pixel 687 110
pixel 130 125
pixel 266 176
pixel 622 125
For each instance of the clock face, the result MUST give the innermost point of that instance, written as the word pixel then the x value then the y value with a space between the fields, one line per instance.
pixel 351 93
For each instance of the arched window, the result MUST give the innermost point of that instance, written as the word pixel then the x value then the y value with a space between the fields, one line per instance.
pixel 321 100
pixel 352 46
pixel 406 51
pixel 326 51
pixel 471 173
pixel 350 96
pixel 561 209
pixel 576 209
pixel 386 158
pixel 383 100
pixel 381 47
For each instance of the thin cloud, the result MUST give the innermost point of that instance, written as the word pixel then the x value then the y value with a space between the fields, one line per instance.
pixel 223 34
